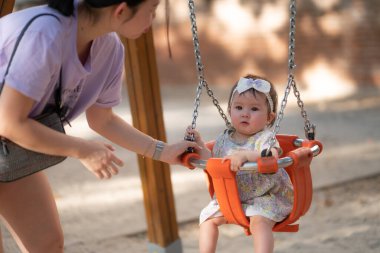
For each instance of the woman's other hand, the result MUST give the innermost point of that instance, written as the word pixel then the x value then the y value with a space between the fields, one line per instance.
pixel 99 158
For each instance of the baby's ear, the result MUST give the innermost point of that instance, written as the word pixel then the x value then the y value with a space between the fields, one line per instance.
pixel 271 117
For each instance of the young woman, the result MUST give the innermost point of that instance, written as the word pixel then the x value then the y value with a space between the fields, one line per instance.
pixel 83 49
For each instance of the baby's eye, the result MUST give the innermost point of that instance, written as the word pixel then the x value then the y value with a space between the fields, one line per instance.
pixel 254 109
pixel 238 107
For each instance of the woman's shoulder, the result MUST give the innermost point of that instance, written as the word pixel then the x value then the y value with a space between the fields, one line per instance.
pixel 48 23
pixel 21 17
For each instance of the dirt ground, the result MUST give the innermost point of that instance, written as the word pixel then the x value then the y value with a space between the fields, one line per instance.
pixel 342 219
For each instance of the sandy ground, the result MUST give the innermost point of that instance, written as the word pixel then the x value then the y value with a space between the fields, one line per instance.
pixel 342 219
pixel 108 216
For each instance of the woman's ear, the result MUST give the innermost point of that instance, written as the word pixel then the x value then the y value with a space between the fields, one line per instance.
pixel 121 10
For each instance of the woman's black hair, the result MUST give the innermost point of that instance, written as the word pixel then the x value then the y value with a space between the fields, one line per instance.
pixel 106 3
pixel 66 7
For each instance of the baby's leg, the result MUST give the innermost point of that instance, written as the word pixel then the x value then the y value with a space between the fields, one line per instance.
pixel 208 234
pixel 261 229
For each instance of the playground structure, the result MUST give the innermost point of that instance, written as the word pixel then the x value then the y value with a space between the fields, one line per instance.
pixel 145 101
pixel 333 175
pixel 144 94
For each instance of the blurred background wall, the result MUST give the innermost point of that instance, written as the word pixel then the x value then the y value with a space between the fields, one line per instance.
pixel 337 43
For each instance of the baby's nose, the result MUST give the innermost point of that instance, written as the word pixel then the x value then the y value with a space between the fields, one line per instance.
pixel 245 114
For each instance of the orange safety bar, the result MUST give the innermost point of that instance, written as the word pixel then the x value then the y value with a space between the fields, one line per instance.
pixel 222 182
pixel 186 157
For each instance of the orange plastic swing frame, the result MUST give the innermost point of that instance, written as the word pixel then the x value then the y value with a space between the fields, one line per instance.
pixel 222 181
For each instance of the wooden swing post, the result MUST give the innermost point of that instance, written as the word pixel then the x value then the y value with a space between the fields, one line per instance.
pixel 145 101
pixel 6 7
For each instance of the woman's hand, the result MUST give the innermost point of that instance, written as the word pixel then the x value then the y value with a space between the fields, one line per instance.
pixel 99 158
pixel 172 152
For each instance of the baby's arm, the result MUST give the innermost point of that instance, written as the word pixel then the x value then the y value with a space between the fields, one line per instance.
pixel 238 158
pixel 204 153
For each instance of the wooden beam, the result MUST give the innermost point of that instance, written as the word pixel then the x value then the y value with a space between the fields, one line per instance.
pixel 145 100
pixel 6 7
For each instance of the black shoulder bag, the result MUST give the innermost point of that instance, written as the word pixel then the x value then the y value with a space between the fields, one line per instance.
pixel 15 161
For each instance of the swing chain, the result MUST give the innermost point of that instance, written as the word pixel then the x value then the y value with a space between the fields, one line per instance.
pixel 216 104
pixel 292 37
pixel 202 82
pixel 309 128
pixel 280 114
pixel 199 67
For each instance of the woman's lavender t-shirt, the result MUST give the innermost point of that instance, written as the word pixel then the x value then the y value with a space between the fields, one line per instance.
pixel 49 45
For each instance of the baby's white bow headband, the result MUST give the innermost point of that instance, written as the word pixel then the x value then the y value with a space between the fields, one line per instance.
pixel 261 85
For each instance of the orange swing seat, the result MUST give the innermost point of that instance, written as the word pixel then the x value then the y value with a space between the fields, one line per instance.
pixel 222 182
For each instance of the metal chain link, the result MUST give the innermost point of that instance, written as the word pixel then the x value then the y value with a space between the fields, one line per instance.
pixel 280 114
pixel 199 66
pixel 309 128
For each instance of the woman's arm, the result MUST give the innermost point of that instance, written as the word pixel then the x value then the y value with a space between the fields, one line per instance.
pixel 15 125
pixel 108 124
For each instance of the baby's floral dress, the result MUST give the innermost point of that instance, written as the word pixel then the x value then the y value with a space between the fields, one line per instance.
pixel 267 195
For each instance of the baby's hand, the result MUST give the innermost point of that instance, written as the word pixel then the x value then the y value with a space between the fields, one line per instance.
pixel 204 152
pixel 237 160
pixel 196 134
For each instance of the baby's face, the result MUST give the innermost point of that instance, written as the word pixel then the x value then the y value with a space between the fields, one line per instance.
pixel 249 113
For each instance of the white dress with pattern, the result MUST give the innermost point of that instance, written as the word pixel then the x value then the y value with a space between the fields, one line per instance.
pixel 268 195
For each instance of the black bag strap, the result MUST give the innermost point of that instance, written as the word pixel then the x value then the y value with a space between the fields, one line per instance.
pixel 57 95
